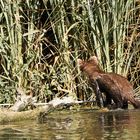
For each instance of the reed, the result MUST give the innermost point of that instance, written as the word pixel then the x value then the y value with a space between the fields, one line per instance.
pixel 40 42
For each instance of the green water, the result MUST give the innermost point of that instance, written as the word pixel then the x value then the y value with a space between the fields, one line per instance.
pixel 82 125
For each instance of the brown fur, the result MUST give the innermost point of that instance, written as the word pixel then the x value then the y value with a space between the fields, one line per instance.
pixel 114 86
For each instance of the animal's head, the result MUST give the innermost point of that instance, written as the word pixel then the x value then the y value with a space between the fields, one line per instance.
pixel 91 62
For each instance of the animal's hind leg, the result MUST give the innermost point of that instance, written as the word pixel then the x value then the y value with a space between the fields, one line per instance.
pixel 125 105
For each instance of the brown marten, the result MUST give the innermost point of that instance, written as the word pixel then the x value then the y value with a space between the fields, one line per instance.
pixel 115 87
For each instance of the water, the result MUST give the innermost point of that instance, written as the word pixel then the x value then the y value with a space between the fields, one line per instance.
pixel 82 125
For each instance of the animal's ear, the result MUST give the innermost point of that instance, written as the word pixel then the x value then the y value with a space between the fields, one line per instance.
pixel 80 62
pixel 94 58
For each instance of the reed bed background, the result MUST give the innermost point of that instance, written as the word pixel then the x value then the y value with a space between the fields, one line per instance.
pixel 40 41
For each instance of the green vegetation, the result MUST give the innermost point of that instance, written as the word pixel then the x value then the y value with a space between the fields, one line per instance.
pixel 40 41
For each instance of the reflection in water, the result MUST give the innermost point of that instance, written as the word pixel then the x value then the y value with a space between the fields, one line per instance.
pixel 83 125
pixel 8 133
pixel 118 125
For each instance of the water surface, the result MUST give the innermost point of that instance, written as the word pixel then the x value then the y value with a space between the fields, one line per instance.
pixel 73 125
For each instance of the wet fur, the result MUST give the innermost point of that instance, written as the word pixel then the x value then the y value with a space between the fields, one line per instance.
pixel 114 86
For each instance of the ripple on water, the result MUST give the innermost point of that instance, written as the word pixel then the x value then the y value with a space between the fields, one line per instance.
pixel 82 125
